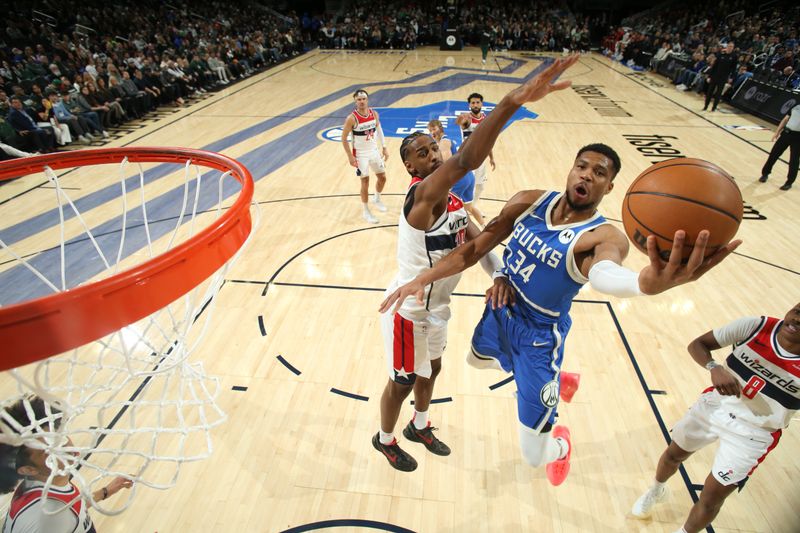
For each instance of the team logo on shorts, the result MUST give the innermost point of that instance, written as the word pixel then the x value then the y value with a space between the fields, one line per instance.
pixel 566 236
pixel 549 394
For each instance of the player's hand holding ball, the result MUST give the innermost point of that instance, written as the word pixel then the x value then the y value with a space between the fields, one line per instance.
pixel 675 203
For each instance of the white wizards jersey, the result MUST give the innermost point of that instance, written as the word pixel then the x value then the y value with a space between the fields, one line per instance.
pixel 63 510
pixel 768 374
pixel 418 250
pixel 364 133
pixel 474 122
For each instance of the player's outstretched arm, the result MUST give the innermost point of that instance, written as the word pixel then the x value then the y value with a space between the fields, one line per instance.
pixel 660 276
pixel 468 253
pixel 472 153
pixel 606 274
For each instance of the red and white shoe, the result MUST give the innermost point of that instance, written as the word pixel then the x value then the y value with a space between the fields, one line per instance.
pixel 568 385
pixel 558 470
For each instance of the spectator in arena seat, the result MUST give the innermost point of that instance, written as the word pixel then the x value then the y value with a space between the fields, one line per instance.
pixel 41 139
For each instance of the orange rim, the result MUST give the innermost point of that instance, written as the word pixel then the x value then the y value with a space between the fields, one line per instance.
pixel 50 325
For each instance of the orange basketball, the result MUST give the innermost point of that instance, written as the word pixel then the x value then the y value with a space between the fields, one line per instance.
pixel 682 194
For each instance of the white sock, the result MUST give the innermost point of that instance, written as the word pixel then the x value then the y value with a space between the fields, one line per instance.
pixel 420 419
pixel 386 438
pixel 658 486
pixel 366 207
pixel 681 530
pixel 377 196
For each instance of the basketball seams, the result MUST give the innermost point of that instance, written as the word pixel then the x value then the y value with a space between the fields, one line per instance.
pixel 660 236
pixel 683 198
pixel 689 162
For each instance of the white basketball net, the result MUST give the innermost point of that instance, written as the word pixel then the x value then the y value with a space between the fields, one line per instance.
pixel 131 404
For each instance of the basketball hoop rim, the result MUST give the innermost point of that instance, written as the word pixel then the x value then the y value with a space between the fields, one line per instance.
pixel 53 324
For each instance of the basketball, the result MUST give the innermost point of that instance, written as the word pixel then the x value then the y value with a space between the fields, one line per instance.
pixel 682 194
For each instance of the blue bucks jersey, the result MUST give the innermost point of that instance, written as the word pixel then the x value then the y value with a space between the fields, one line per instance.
pixel 539 261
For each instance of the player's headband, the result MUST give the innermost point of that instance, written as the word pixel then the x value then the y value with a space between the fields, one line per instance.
pixel 360 93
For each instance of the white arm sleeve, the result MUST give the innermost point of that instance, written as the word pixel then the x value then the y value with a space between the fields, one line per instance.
pixel 379 135
pixel 492 265
pixel 736 331
pixel 610 278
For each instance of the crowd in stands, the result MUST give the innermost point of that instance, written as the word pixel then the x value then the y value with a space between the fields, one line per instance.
pixel 764 37
pixel 70 70
pixel 382 24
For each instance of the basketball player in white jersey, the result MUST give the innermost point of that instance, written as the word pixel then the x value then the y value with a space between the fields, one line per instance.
pixel 755 393
pixel 432 224
pixel 365 126
pixel 62 509
pixel 468 122
pixel 557 242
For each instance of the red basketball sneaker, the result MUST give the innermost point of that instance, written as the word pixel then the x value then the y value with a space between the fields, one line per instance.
pixel 569 382
pixel 558 470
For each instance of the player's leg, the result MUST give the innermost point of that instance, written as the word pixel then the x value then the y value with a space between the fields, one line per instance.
pixel 363 172
pixel 406 349
pixel 384 441
pixel 419 429
pixel 538 350
pixel 692 432
pixel 707 507
pixel 376 162
pixel 668 464
pixel 742 447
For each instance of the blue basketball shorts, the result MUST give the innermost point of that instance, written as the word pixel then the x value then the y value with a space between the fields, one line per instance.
pixel 465 188
pixel 533 350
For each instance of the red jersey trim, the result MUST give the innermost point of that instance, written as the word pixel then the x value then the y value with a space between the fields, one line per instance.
pixel 22 499
pixel 762 344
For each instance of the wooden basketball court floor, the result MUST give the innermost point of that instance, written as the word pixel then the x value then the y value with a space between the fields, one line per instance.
pixel 296 337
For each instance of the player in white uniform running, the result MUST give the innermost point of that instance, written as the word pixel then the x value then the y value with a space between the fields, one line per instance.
pixel 468 122
pixel 432 224
pixel 755 394
pixel 63 510
pixel 365 126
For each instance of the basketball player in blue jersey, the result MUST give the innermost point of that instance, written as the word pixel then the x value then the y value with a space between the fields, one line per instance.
pixel 558 242
pixel 465 187
pixel 431 225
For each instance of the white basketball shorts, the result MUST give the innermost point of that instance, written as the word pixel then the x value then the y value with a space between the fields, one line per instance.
pixel 742 446
pixel 411 345
pixel 367 161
